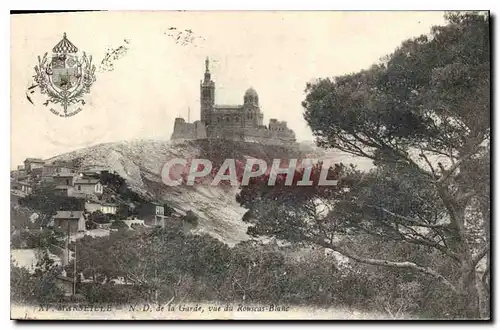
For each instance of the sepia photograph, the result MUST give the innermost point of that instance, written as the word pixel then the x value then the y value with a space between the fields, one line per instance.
pixel 250 165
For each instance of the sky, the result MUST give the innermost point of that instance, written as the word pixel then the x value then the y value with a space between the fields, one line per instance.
pixel 158 77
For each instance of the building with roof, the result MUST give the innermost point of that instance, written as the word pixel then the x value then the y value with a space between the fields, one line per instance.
pixel 235 122
pixel 31 163
pixel 153 213
pixel 90 186
pixel 23 187
pixel 64 190
pixel 104 207
pixel 56 169
pixel 72 221
pixel 66 179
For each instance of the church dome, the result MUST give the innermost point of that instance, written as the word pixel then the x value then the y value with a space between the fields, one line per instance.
pixel 251 97
pixel 251 92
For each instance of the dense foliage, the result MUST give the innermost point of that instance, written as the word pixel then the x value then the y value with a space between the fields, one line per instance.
pixel 423 117
pixel 164 265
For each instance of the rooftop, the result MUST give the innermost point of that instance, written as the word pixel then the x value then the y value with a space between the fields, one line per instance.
pixel 62 187
pixel 90 173
pixel 86 181
pixel 103 203
pixel 58 165
pixel 75 215
pixel 35 160
pixel 24 183
pixel 64 175
pixel 227 106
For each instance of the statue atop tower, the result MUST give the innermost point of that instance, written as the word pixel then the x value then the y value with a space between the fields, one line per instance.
pixel 207 71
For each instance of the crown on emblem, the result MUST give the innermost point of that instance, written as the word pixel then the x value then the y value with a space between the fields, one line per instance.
pixel 64 46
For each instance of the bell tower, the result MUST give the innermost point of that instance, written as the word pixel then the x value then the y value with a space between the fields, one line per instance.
pixel 207 95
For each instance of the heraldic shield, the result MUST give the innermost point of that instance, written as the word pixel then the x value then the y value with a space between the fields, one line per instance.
pixel 65 77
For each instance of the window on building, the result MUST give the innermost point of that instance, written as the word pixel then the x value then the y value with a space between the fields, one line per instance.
pixel 67 182
pixel 160 210
pixel 79 187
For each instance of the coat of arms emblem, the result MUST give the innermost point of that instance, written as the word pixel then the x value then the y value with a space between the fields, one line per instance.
pixel 65 77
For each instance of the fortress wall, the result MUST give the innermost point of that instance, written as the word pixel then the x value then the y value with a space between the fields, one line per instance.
pixel 261 135
pixel 183 130
pixel 279 134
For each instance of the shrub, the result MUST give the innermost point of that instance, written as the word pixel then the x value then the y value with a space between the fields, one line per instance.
pixel 89 225
pixel 99 217
pixel 191 218
pixel 119 224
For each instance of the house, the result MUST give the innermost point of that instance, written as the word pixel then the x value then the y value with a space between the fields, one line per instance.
pixel 69 220
pixel 57 169
pixel 88 186
pixel 68 191
pixel 64 190
pixel 105 208
pixel 152 213
pixel 31 163
pixel 36 174
pixel 25 187
pixel 20 174
pixel 66 179
pixel 109 208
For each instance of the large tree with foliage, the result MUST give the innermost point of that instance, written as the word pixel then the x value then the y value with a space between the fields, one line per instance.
pixel 164 263
pixel 423 117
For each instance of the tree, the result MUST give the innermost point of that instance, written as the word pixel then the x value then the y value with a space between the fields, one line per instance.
pixel 45 200
pixel 423 117
pixel 36 287
pixel 190 218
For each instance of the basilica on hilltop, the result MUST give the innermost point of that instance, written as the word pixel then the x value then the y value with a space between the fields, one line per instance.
pixel 235 122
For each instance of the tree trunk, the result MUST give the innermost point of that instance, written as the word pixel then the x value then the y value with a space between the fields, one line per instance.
pixel 484 281
pixel 467 305
pixel 484 296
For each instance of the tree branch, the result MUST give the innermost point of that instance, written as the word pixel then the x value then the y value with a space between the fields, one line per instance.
pixel 428 164
pixel 411 221
pixel 454 167
pixel 480 255
pixel 387 263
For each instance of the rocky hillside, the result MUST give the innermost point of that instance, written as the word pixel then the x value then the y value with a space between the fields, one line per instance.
pixel 140 163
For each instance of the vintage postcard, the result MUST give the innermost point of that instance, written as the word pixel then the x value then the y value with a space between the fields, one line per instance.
pixel 250 165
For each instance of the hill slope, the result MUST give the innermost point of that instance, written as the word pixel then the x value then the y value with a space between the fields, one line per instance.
pixel 140 163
